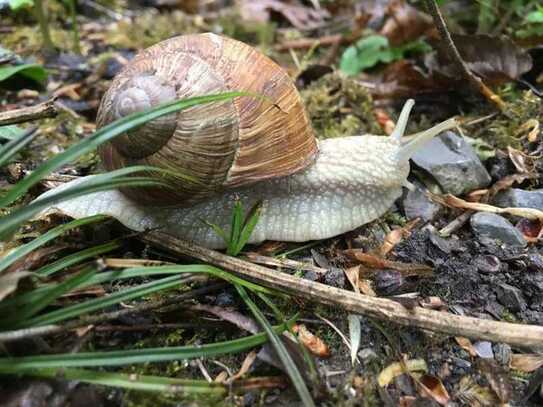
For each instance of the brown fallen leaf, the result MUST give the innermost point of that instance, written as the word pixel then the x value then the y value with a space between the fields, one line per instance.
pixel 433 387
pixel 405 23
pixel 397 368
pixel 353 275
pixel 497 378
pixel 523 163
pixel 312 342
pixel 245 366
pixel 376 262
pixel 454 202
pixel 526 362
pixel 365 287
pixel 466 344
pixel 495 59
pixel 300 16
pixel 36 258
pixel 10 281
pixel 508 181
pixel 473 394
pixel 394 237
pixel 234 317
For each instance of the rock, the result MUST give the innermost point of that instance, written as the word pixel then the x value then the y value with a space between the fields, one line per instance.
pixel 502 352
pixel 487 263
pixel 453 163
pixel 417 205
pixel 490 227
pixel 510 297
pixel 483 349
pixel 519 198
pixel 335 277
pixel 366 355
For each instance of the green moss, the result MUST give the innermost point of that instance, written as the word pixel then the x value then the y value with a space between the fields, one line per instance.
pixel 339 107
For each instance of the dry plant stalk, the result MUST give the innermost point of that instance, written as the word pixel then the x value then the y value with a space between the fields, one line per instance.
pixel 380 308
pixel 27 114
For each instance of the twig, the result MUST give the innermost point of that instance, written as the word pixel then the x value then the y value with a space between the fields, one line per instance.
pixel 380 308
pixel 456 224
pixel 456 58
pixel 286 263
pixel 30 113
pixel 108 316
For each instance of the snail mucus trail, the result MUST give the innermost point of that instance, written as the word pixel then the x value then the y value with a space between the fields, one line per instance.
pixel 349 182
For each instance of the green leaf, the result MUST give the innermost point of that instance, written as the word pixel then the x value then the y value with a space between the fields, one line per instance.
pixel 11 148
pixel 284 356
pixel 107 133
pixel 248 226
pixel 129 381
pixel 366 53
pixel 34 72
pixel 11 132
pixel 235 228
pixel 127 357
pixel 17 4
pixel 535 17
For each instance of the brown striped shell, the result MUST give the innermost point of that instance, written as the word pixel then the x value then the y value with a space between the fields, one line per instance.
pixel 222 144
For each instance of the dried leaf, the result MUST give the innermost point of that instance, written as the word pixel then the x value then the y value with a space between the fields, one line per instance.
pixel 474 395
pixel 394 237
pixel 353 275
pixel 454 202
pixel 355 334
pixel 365 287
pixel 433 387
pixel 497 378
pixel 405 23
pixel 234 317
pixel 523 163
pixel 508 181
pixel 526 362
pixel 532 127
pixel 36 258
pixel 376 262
pixel 397 368
pixel 466 344
pixel 245 366
pixel 9 282
pixel 495 59
pixel 312 342
pixel 299 16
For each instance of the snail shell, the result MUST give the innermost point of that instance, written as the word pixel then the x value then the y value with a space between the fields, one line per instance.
pixel 221 145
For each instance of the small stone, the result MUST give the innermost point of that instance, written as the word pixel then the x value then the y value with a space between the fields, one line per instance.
pixel 490 227
pixel 502 352
pixel 388 282
pixel 484 349
pixel 367 355
pixel 453 163
pixel 519 198
pixel 335 277
pixel 225 299
pixel 534 261
pixel 510 297
pixel 487 263
pixel 416 204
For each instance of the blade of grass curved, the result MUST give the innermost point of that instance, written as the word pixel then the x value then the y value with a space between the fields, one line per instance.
pixel 8 150
pixel 111 181
pixel 23 250
pixel 130 381
pixel 85 307
pixel 288 363
pixel 126 357
pixel 105 134
pixel 49 297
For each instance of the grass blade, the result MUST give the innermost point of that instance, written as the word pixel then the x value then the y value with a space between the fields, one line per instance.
pixel 105 134
pixel 25 249
pixel 288 363
pixel 248 227
pixel 126 357
pixel 8 150
pixel 235 228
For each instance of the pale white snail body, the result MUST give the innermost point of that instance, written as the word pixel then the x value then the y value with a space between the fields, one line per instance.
pixel 349 182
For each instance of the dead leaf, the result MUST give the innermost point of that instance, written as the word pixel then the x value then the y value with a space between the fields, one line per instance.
pixel 365 287
pixel 35 258
pixel 312 342
pixel 10 281
pixel 466 344
pixel 301 17
pixel 397 368
pixel 405 23
pixel 353 275
pixel 454 202
pixel 497 378
pixel 523 163
pixel 376 262
pixel 245 366
pixel 234 317
pixel 433 387
pixel 221 377
pixel 495 59
pixel 526 362
pixel 508 181
pixel 475 395
pixel 394 237
pixel 532 127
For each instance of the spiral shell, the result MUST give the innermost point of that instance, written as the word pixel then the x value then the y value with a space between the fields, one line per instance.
pixel 221 145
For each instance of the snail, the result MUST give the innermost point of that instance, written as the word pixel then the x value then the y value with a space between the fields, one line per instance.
pixel 246 148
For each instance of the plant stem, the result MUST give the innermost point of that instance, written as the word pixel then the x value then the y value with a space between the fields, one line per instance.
pixel 75 27
pixel 44 26
pixel 456 58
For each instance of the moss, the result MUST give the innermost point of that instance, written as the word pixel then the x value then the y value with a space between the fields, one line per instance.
pixel 340 106
pixel 27 40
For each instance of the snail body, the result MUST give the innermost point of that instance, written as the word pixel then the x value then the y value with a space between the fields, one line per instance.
pixel 260 152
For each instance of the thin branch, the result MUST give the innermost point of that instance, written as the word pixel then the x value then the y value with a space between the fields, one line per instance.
pixel 456 58
pixel 27 114
pixel 380 308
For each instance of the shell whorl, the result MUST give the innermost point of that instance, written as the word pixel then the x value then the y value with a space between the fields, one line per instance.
pixel 223 144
